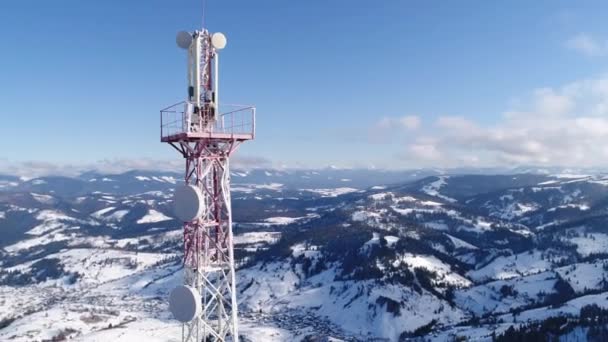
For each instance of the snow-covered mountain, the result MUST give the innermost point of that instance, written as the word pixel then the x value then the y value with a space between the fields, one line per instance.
pixel 347 254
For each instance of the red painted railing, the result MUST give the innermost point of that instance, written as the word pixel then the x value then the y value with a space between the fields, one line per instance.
pixel 233 120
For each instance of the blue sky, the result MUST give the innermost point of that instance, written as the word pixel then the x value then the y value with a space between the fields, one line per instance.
pixel 394 84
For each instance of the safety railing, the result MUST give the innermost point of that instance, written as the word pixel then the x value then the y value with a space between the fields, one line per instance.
pixel 181 119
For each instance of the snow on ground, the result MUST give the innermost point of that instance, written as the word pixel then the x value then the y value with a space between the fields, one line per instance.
pixel 549 182
pixel 271 186
pixel 512 210
pixel 44 199
pixel 99 214
pixel 283 221
pixel 572 307
pixel 55 236
pixel 581 207
pixel 380 196
pixel 62 319
pixel 383 196
pixel 4 184
pixel 436 225
pixel 144 329
pixel 256 237
pixel 118 311
pixel 433 188
pixel 250 188
pixel 102 265
pixel 488 298
pixel 408 211
pixel 169 179
pixel 472 333
pixel 46 227
pixel 52 220
pixel 152 193
pixel 571 176
pixel 458 243
pixel 375 240
pixel 153 216
pixel 269 281
pixel 258 333
pixel 241 188
pixel 391 240
pixel 154 238
pixel 584 276
pixel 354 306
pixel 115 216
pixel 121 309
pixel 49 215
pixel 365 215
pixel 477 224
pixel 349 307
pixel 309 251
pixel 590 243
pixel 404 199
pixel 603 182
pixel 431 263
pixel 332 192
pixel 133 308
pixel 431 203
pixel 505 267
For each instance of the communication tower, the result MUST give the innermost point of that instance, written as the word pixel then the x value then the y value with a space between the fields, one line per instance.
pixel 206 135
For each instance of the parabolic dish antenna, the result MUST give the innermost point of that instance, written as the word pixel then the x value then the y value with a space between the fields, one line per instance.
pixel 183 39
pixel 218 40
pixel 185 303
pixel 188 203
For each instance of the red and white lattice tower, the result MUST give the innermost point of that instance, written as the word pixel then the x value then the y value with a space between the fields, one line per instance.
pixel 206 135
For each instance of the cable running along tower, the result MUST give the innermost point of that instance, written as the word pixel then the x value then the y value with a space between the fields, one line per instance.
pixel 206 135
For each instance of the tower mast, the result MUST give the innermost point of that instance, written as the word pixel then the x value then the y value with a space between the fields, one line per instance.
pixel 206 138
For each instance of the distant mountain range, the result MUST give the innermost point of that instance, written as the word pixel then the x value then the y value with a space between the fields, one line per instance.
pixel 351 255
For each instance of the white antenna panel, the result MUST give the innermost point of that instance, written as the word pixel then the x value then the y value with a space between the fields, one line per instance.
pixel 218 40
pixel 183 39
pixel 185 303
pixel 188 203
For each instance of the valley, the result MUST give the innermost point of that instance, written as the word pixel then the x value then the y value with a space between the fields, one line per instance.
pixel 353 255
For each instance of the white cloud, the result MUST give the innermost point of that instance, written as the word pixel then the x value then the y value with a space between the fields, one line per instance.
pixel 426 152
pixel 565 126
pixel 587 45
pixel 550 103
pixel 32 169
pixel 388 128
pixel 410 122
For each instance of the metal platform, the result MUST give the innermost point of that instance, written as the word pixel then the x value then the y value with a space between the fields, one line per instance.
pixel 236 123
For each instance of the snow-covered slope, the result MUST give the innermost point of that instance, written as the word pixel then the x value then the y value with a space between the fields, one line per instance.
pixel 444 257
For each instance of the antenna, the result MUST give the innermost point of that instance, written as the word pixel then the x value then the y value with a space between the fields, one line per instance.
pixel 188 203
pixel 183 39
pixel 218 40
pixel 185 303
pixel 206 138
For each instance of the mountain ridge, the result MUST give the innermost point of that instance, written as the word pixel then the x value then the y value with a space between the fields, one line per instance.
pixel 428 257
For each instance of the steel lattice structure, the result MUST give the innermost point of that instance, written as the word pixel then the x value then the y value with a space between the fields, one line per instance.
pixel 206 138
